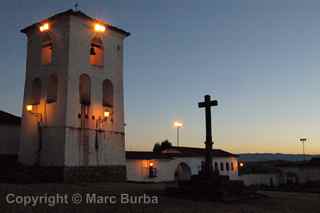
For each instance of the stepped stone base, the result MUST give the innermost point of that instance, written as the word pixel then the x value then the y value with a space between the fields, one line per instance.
pixel 215 188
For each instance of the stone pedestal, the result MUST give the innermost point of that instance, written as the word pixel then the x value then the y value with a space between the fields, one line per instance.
pixel 214 188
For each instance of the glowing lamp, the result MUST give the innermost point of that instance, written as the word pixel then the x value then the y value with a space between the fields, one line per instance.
pixel 44 27
pixel 151 164
pixel 99 28
pixel 106 114
pixel 241 164
pixel 177 124
pixel 29 108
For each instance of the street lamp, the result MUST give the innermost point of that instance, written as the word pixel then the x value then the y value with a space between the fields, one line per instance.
pixel 106 114
pixel 30 108
pixel 106 117
pixel 44 27
pixel 177 125
pixel 99 27
pixel 303 140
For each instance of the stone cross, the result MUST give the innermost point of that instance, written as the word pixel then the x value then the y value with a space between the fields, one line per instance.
pixel 207 104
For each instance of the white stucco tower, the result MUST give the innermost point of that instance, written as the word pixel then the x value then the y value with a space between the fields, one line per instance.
pixel 73 108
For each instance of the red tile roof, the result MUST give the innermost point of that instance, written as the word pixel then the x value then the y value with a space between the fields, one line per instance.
pixel 193 151
pixel 145 155
pixel 174 152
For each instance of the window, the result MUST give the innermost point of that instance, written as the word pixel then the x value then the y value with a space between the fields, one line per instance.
pixel 118 49
pixel 216 166
pixel 96 52
pixel 84 89
pixel 46 50
pixel 52 92
pixel 152 172
pixel 107 93
pixel 221 166
pixel 227 166
pixel 36 91
pixel 232 167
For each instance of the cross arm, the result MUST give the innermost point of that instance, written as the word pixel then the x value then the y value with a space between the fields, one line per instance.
pixel 206 104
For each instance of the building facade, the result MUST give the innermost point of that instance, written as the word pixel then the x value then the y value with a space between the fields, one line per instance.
pixel 73 108
pixel 177 163
pixel 268 179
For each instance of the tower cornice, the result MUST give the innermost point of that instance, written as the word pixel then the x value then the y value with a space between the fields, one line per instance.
pixel 77 14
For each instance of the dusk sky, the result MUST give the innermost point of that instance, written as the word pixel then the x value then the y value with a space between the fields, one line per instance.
pixel 260 59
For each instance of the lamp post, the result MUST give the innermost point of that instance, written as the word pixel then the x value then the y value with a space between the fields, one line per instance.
pixel 178 125
pixel 303 140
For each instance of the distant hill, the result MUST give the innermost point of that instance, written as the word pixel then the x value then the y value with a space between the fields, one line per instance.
pixel 270 157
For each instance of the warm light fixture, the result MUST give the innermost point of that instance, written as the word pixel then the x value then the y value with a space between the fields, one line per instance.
pixel 99 28
pixel 177 124
pixel 29 108
pixel 151 164
pixel 241 164
pixel 44 27
pixel 106 114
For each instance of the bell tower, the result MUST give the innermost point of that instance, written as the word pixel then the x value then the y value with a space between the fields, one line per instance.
pixel 73 108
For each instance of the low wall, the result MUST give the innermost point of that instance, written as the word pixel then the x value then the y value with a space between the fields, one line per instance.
pixel 95 174
pixel 260 179
pixel 36 174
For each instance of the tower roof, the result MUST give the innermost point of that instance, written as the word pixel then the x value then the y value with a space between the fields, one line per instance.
pixel 78 14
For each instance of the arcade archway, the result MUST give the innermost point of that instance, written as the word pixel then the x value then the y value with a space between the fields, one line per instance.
pixel 182 172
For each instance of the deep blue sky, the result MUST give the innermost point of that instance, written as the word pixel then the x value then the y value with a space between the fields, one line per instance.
pixel 259 58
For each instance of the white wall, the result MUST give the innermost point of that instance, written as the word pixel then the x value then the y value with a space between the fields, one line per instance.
pixel 9 140
pixel 61 135
pixel 111 145
pixel 53 115
pixel 137 170
pixel 303 174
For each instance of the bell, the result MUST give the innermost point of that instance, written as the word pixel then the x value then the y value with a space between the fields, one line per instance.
pixel 92 51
